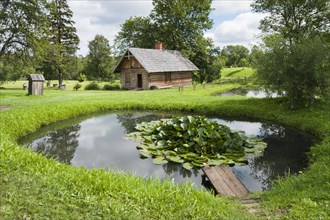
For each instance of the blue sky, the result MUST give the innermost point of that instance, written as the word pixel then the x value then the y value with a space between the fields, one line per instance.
pixel 234 21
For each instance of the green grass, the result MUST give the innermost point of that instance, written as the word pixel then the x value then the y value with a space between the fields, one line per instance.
pixel 38 188
pixel 237 72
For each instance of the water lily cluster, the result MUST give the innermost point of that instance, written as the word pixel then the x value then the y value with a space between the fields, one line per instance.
pixel 195 141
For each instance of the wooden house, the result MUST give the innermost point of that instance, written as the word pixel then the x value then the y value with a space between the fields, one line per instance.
pixel 36 84
pixel 154 68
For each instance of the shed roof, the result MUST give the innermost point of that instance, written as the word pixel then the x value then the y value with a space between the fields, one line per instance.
pixel 154 61
pixel 36 77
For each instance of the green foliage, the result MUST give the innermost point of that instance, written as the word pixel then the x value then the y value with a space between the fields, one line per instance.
pixel 294 20
pixel 179 25
pixel 22 24
pixel 111 87
pixel 81 77
pixel 99 60
pixel 195 141
pixel 58 59
pixel 295 57
pixel 14 67
pixel 92 86
pixel 301 71
pixel 235 55
pixel 77 86
pixel 135 32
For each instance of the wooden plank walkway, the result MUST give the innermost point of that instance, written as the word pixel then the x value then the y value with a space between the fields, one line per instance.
pixel 224 181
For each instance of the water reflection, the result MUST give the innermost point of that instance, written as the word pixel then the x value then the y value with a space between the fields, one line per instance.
pixel 60 144
pixel 99 142
pixel 252 93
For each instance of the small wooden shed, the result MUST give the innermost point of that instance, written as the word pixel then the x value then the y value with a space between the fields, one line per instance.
pixel 154 68
pixel 36 84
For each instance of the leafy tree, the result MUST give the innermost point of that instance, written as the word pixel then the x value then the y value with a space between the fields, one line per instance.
pixel 22 29
pixel 179 25
pixel 14 66
pixel 99 59
pixel 254 54
pixel 295 57
pixel 294 19
pixel 59 56
pixel 301 70
pixel 22 25
pixel 135 32
pixel 236 55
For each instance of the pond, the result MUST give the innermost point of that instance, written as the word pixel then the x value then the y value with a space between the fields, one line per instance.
pixel 99 142
pixel 252 93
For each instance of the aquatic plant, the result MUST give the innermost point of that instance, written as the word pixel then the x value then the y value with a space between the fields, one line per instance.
pixel 194 141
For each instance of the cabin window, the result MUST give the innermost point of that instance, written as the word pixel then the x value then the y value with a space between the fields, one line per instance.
pixel 127 78
pixel 168 77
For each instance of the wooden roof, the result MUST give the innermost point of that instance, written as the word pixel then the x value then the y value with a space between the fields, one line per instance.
pixel 155 61
pixel 36 77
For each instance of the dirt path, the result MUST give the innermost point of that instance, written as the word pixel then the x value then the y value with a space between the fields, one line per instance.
pixel 2 107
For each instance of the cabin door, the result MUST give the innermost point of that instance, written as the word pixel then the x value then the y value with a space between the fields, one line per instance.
pixel 139 81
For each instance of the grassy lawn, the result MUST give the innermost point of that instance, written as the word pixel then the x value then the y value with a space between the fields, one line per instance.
pixel 38 188
pixel 237 72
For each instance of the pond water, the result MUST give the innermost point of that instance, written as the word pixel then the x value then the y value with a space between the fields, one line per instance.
pixel 99 142
pixel 252 93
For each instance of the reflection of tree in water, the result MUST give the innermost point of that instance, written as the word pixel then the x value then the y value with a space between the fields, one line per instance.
pixel 286 152
pixel 129 121
pixel 269 129
pixel 171 168
pixel 60 144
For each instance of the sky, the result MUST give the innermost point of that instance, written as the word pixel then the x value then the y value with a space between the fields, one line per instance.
pixel 234 21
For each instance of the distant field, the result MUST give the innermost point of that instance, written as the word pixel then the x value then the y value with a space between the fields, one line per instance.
pixel 69 84
pixel 237 72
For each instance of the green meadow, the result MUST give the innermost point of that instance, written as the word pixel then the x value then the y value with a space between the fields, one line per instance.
pixel 33 187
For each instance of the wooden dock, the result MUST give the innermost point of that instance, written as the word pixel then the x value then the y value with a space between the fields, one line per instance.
pixel 224 181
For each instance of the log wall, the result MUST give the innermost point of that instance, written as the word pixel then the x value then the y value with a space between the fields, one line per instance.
pixel 177 78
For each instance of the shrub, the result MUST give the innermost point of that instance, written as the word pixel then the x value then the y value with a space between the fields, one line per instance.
pixel 77 86
pixel 111 87
pixel 92 86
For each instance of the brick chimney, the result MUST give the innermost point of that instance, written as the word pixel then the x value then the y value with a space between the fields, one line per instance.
pixel 159 46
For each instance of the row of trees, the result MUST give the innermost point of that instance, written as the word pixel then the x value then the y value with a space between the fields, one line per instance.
pixel 39 36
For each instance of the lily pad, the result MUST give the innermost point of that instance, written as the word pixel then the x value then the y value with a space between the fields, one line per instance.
pixel 195 141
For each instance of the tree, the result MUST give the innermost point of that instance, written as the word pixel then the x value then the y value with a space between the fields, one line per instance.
pixel 135 32
pixel 294 19
pixel 63 42
pixel 179 25
pixel 22 25
pixel 22 28
pixel 295 56
pixel 99 59
pixel 236 55
pixel 301 70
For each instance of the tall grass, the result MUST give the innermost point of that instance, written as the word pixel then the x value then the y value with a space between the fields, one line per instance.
pixel 38 188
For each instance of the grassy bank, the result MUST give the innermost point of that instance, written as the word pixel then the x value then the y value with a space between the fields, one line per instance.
pixel 33 186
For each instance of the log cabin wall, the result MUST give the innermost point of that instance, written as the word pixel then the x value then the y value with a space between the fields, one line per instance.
pixel 170 79
pixel 133 76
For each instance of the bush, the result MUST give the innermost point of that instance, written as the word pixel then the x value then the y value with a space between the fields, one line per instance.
pixel 81 78
pixel 92 86
pixel 77 86
pixel 111 87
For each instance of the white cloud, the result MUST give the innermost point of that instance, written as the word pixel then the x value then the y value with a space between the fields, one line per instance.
pixel 225 7
pixel 243 29
pixel 104 17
